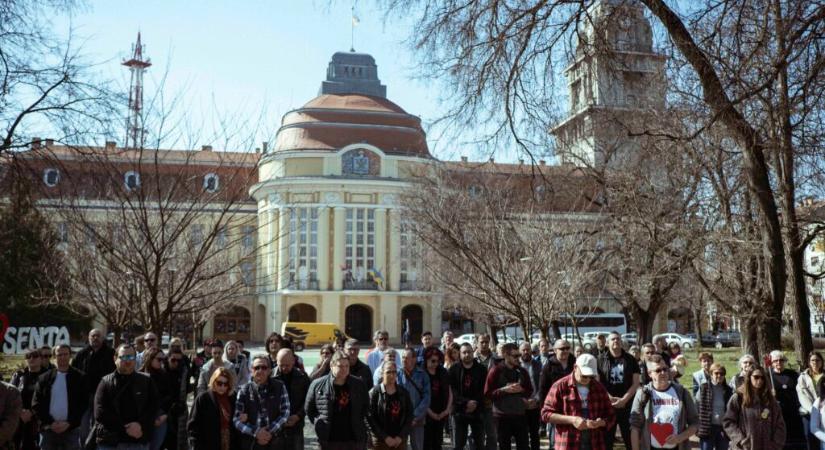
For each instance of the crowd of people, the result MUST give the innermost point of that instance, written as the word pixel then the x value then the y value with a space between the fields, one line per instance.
pixel 136 397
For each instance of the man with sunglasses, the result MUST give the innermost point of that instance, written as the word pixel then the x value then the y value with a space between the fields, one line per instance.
pixel 619 373
pixel 26 437
pixel 262 408
pixel 579 407
pixel 151 341
pixel 356 367
pixel 96 360
pixel 376 356
pixel 508 386
pixel 559 365
pixel 126 403
pixel 177 368
pixel 664 413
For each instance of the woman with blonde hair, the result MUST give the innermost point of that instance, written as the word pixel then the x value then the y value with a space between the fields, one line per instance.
pixel 753 420
pixel 210 423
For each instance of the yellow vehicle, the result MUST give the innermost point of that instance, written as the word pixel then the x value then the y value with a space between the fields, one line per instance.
pixel 304 334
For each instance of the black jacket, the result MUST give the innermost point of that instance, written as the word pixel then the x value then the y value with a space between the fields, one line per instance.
pixel 138 391
pixel 26 381
pixel 167 393
pixel 362 372
pixel 463 393
pixel 95 364
pixel 77 392
pixel 297 390
pixel 319 403
pixel 379 413
pixel 204 425
pixel 552 372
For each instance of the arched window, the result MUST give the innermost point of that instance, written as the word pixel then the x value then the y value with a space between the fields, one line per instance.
pixel 51 177
pixel 131 180
pixel 211 183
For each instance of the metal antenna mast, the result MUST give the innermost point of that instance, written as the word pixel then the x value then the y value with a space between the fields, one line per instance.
pixel 134 122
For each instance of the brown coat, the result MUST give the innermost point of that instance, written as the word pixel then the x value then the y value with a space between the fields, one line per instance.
pixel 10 406
pixel 759 427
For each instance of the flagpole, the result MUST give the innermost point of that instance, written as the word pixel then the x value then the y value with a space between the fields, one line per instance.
pixel 352 29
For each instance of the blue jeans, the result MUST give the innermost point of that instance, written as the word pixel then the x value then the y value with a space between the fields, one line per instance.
pixel 158 435
pixel 716 441
pixel 417 437
pixel 67 440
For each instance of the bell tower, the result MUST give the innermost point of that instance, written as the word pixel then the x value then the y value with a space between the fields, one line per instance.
pixel 615 83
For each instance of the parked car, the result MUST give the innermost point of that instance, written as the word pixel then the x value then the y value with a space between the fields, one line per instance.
pixel 683 341
pixel 574 340
pixel 631 338
pixel 469 338
pixel 727 339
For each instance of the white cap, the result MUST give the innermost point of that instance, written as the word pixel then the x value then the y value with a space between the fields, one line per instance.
pixel 587 365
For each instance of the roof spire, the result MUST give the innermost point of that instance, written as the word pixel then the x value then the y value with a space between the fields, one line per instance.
pixel 134 123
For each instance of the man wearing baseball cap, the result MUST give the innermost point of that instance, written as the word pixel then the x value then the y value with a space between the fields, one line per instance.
pixel 579 407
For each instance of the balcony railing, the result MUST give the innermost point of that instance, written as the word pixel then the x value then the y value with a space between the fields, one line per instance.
pixel 303 285
pixel 364 285
pixel 412 285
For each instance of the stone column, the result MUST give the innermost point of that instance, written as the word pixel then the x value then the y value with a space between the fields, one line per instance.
pixel 271 269
pixel 381 242
pixel 393 273
pixel 283 248
pixel 323 248
pixel 338 247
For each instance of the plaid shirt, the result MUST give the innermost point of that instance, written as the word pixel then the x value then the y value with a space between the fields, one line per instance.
pixel 254 401
pixel 563 399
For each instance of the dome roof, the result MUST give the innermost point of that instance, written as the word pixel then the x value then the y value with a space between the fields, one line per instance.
pixel 333 121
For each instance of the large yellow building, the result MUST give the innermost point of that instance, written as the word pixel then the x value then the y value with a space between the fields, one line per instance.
pixel 334 245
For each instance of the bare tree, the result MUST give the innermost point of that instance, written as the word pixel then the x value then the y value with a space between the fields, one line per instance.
pixel 46 84
pixel 494 240
pixel 753 67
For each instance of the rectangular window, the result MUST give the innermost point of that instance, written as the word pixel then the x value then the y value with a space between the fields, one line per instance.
pixel 196 234
pixel 303 248
pixel 220 238
pixel 247 273
pixel 248 237
pixel 62 233
pixel 410 259
pixel 360 249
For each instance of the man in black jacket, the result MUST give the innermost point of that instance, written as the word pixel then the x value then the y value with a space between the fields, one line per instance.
pixel 297 385
pixel 467 383
pixel 619 373
pixel 96 361
pixel 338 405
pixel 126 403
pixel 357 368
pixel 60 400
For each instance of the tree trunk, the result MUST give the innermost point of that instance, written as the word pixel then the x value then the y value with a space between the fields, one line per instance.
pixel 802 339
pixel 749 333
pixel 644 323
pixel 556 329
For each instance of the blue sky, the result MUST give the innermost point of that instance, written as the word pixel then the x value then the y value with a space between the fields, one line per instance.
pixel 244 57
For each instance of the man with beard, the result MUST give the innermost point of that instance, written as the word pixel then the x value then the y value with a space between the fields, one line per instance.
pixel 619 373
pixel 126 403
pixel 467 383
pixel 96 360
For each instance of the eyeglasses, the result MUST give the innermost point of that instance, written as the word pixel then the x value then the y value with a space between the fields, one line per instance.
pixel 660 370
pixel 32 356
pixel 778 360
pixel 149 340
pixel 587 377
pixel 220 383
pixel 260 368
pixel 127 357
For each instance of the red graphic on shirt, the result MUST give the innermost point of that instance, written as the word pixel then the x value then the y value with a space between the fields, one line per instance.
pixel 468 381
pixel 661 431
pixel 395 409
pixel 343 400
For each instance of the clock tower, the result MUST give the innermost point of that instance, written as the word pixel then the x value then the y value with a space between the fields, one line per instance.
pixel 616 87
